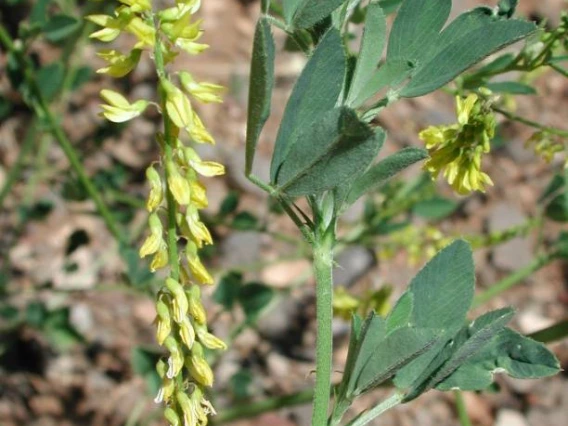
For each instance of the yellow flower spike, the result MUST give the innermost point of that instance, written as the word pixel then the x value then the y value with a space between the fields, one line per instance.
pixel 175 360
pixel 163 320
pixel 180 304
pixel 204 92
pixel 187 333
pixel 198 367
pixel 172 417
pixel 196 309
pixel 177 105
pixel 119 109
pixel 198 132
pixel 209 340
pixel 156 193
pixel 160 259
pixel 178 185
pixel 119 64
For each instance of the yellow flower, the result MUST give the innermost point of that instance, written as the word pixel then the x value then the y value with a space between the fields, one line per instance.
pixel 198 132
pixel 163 320
pixel 155 240
pixel 198 366
pixel 196 309
pixel 156 189
pixel 187 333
pixel 119 109
pixel 456 150
pixel 111 27
pixel 199 232
pixel 198 194
pixel 209 340
pixel 188 409
pixel 145 34
pixel 180 304
pixel 160 259
pixel 178 185
pixel 172 417
pixel 204 168
pixel 138 5
pixel 175 360
pixel 204 92
pixel 119 64
pixel 178 106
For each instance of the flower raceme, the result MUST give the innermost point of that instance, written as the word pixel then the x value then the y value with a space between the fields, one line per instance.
pixel 176 192
pixel 456 150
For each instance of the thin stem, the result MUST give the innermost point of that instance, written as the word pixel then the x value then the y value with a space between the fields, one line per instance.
pixel 513 279
pixel 169 139
pixel 369 415
pixel 559 69
pixel 536 125
pixel 41 108
pixel 15 171
pixel 240 411
pixel 323 266
pixel 462 409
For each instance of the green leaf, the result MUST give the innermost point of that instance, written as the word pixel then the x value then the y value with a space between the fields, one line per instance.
pixel 137 273
pixel 143 362
pixel 229 204
pixel 290 7
pixel 381 172
pixel 391 354
pixel 557 209
pixel 455 49
pixel 81 75
pixel 435 208
pixel 260 91
pixel 511 87
pixel 38 14
pixel 244 221
pixel 328 153
pixel 390 6
pixel 390 75
pixel 254 298
pixel 310 12
pixel 315 93
pixel 59 330
pixel 36 314
pixel 60 27
pixel 50 80
pixel 227 291
pixel 240 383
pixel 401 313
pixel 416 27
pixel 443 289
pixel 372 45
pixel 507 352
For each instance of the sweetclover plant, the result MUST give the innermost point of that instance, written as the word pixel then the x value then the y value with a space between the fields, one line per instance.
pixel 325 153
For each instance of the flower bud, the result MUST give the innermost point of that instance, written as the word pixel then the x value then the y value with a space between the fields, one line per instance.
pixel 187 333
pixel 178 185
pixel 198 194
pixel 179 300
pixel 151 245
pixel 163 320
pixel 196 309
pixel 209 340
pixel 119 64
pixel 175 360
pixel 198 367
pixel 172 417
pixel 204 92
pixel 156 194
pixel 119 109
pixel 188 409
pixel 160 259
pixel 178 106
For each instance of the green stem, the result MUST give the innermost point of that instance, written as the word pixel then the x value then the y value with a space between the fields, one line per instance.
pixel 369 415
pixel 170 140
pixel 42 110
pixel 559 69
pixel 240 411
pixel 513 279
pixel 16 169
pixel 323 266
pixel 536 125
pixel 462 410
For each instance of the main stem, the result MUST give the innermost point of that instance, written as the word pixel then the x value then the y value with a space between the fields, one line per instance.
pixel 323 264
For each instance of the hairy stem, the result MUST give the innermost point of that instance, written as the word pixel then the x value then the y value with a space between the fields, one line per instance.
pixel 461 409
pixel 323 265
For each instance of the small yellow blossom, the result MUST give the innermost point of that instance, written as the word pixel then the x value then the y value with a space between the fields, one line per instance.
pixel 172 417
pixel 204 168
pixel 119 109
pixel 175 360
pixel 198 366
pixel 196 309
pixel 160 259
pixel 209 340
pixel 177 105
pixel 180 304
pixel 178 185
pixel 156 194
pixel 119 64
pixel 456 150
pixel 163 320
pixel 198 132
pixel 204 92
pixel 187 333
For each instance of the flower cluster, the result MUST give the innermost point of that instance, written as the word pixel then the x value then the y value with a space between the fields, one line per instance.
pixel 421 243
pixel 176 192
pixel 547 145
pixel 456 150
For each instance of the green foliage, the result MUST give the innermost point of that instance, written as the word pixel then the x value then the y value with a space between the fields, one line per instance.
pixel 143 361
pixel 435 208
pixel 315 93
pixel 50 79
pixel 59 27
pixel 260 93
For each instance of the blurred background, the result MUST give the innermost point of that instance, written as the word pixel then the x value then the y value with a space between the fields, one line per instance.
pixel 76 334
